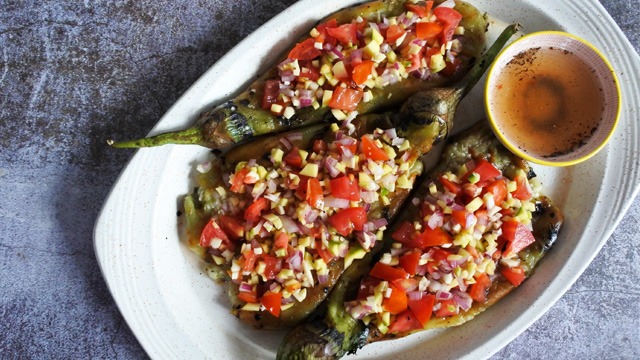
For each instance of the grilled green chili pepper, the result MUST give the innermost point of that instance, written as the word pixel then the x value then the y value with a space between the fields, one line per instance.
pixel 243 117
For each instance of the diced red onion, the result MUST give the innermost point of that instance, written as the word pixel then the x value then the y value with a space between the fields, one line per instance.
pixel 457 207
pixel 330 166
pixel 378 223
pixel 287 144
pixel 444 295
pixel 289 225
pixel 287 75
pixel 288 300
pixel 337 53
pixel 295 261
pixel 337 203
pixel 436 220
pixel 288 92
pixel 462 299
pixel 305 102
pixel 294 136
pixel 323 279
pixel 414 295
pixel 356 56
pixel 449 3
pixel 391 133
pixel 397 141
pixel 245 287
pixel 344 140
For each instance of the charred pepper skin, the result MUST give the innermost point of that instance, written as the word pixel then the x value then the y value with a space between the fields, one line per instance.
pixel 242 118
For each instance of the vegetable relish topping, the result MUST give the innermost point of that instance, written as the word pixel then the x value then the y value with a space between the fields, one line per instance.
pixel 281 224
pixel 472 226
pixel 340 65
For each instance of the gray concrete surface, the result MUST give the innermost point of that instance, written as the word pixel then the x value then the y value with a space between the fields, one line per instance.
pixel 74 73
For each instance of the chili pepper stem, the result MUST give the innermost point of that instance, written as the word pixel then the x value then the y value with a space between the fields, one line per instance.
pixel 482 64
pixel 191 135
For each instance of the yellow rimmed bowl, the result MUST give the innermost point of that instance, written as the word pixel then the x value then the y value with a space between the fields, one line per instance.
pixel 552 98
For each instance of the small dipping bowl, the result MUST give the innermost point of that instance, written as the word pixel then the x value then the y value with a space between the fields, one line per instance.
pixel 552 98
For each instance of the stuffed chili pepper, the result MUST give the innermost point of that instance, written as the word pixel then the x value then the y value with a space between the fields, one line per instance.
pixel 281 218
pixel 359 60
pixel 469 236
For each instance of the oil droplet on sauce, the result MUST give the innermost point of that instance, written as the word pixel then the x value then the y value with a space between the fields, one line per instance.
pixel 547 101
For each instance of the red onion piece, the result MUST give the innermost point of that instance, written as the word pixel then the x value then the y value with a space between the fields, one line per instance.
pixel 337 203
pixel 294 136
pixel 245 287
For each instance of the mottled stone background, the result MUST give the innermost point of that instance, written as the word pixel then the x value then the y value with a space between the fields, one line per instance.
pixel 73 73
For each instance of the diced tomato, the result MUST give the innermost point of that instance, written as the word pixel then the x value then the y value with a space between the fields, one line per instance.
pixel 419 10
pixel 522 237
pixel 249 260
pixel 314 194
pixel 366 284
pixel 324 35
pixel 447 308
pixel 324 253
pixel 409 284
pixel 371 150
pixel 301 190
pixel 478 291
pixel 238 180
pixel 213 231
pixel 486 170
pixel 345 187
pixel 498 189
pixel 270 269
pixel 515 275
pixel 396 302
pixel 509 229
pixel 305 50
pixel 309 72
pixel 523 189
pixel 416 61
pixel 271 92
pixel 404 232
pixel 451 18
pixel 432 237
pixel 346 34
pixel 428 30
pixel 252 213
pixel 293 157
pixel 423 308
pixel 409 262
pixel 362 71
pixel 451 67
pixel 232 226
pixel 248 297
pixel 349 219
pixel 450 185
pixel 394 32
pixel 272 301
pixel 406 321
pixel 386 272
pixel 346 99
pixel 460 217
pixel 319 146
pixel 282 240
pixel 439 254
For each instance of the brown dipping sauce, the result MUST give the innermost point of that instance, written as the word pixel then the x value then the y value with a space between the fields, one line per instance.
pixel 547 101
